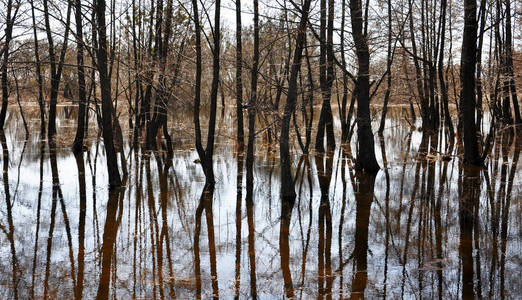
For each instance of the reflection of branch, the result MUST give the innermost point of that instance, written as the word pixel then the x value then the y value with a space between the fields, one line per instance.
pixel 2 227
pixel 19 165
pixel 345 263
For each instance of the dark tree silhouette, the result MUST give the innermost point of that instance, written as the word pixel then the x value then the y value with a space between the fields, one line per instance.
pixel 82 96
pixel 56 66
pixel 366 161
pixel 326 78
pixel 287 183
pixel 239 81
pixel 105 85
pixel 10 18
pixel 206 154
pixel 467 83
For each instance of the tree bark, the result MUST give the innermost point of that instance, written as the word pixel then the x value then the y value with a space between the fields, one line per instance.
pixel 467 82
pixel 509 64
pixel 38 74
pixel 82 107
pixel 418 73
pixel 388 72
pixel 8 37
pixel 206 154
pixel 56 69
pixel 366 161
pixel 443 87
pixel 252 106
pixel 326 78
pixel 161 103
pixel 287 184
pixel 105 86
pixel 239 81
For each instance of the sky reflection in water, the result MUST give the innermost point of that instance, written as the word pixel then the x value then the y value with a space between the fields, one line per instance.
pixel 424 226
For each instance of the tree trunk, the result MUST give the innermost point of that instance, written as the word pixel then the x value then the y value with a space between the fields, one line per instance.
pixel 161 104
pixel 443 88
pixel 56 69
pixel 509 64
pixel 467 82
pixel 326 78
pixel 345 124
pixel 480 43
pixel 38 74
pixel 80 130
pixel 239 81
pixel 287 184
pixel 388 72
pixel 206 154
pixel 252 106
pixel 105 86
pixel 8 37
pixel 418 73
pixel 366 161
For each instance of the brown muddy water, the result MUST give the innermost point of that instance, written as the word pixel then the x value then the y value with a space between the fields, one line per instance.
pixel 425 227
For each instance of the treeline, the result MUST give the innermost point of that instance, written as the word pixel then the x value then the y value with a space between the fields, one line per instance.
pixel 451 63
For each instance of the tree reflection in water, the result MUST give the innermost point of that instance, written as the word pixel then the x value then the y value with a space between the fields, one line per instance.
pixel 205 205
pixel 324 165
pixel 110 232
pixel 363 197
pixel 426 226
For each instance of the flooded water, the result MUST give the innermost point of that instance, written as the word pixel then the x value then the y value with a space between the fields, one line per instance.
pixel 425 227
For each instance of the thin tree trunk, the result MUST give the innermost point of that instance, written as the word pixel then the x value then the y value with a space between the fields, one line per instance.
pixel 239 75
pixel 38 74
pixel 287 184
pixel 56 69
pixel 161 103
pixel 482 17
pixel 345 124
pixel 509 64
pixel 418 74
pixel 20 106
pixel 206 154
pixel 444 90
pixel 388 72
pixel 213 94
pixel 197 85
pixel 80 129
pixel 326 78
pixel 8 36
pixel 252 105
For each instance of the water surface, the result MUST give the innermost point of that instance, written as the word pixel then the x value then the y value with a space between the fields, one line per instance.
pixel 424 227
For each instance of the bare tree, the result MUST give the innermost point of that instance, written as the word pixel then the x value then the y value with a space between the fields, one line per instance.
pixel 467 94
pixel 56 66
pixel 105 86
pixel 326 78
pixel 206 154
pixel 10 19
pixel 82 95
pixel 38 73
pixel 366 161
pixel 239 75
pixel 287 184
